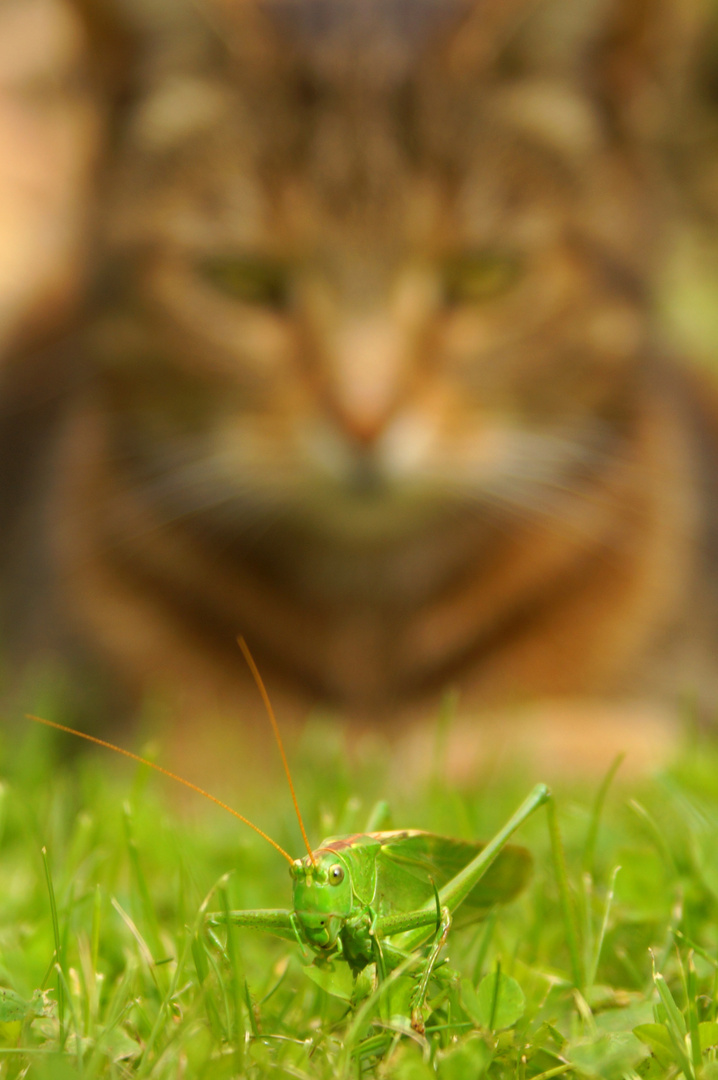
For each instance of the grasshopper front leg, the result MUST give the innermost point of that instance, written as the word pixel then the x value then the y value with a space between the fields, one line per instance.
pixel 276 921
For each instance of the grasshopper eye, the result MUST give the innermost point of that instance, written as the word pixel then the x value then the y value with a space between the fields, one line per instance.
pixel 336 874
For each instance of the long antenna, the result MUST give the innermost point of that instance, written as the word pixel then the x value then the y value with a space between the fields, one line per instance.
pixel 165 772
pixel 275 728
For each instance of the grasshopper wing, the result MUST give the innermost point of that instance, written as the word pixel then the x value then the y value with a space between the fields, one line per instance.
pixel 410 861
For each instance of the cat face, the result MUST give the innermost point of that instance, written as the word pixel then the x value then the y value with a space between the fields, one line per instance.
pixel 359 307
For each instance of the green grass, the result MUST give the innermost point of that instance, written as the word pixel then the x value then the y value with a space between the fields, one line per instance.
pixel 108 973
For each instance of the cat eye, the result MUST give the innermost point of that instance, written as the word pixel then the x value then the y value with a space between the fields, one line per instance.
pixel 476 277
pixel 252 281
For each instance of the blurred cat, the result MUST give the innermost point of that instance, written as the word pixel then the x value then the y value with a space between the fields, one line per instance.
pixel 370 375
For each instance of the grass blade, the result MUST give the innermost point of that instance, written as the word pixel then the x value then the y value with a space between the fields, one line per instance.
pixel 565 898
pixel 58 947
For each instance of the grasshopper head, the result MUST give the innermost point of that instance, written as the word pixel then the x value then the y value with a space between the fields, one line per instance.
pixel 322 897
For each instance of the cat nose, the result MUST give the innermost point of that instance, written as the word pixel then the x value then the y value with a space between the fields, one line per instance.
pixel 362 429
pixel 367 366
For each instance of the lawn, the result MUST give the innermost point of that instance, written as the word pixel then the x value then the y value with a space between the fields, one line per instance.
pixel 605 966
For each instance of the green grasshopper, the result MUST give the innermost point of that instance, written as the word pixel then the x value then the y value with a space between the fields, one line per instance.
pixel 374 898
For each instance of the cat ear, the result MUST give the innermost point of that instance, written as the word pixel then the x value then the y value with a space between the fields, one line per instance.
pixel 636 58
pixel 631 55
pixel 480 35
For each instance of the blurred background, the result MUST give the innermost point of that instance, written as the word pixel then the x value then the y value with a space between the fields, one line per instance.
pixel 63 71
pixel 56 73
